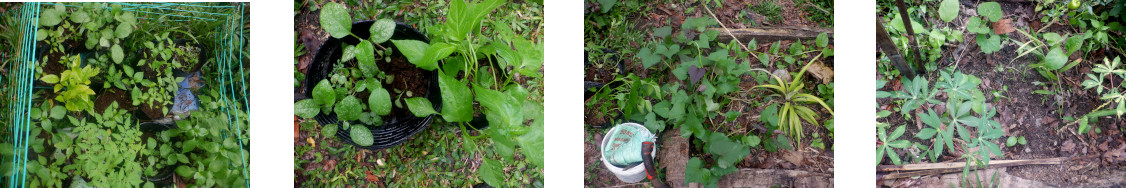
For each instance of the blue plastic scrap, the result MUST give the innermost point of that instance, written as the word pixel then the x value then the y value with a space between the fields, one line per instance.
pixel 186 100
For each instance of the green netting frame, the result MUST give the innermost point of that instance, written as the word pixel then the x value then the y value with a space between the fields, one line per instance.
pixel 228 51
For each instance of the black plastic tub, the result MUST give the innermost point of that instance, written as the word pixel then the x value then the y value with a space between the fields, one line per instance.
pixel 394 130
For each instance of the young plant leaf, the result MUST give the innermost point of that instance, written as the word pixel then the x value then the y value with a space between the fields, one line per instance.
pixel 457 101
pixel 335 20
pixel 361 135
pixel 948 10
pixel 323 93
pixel 365 55
pixel 379 101
pixel 349 108
pixel 382 30
pixel 420 107
pixel 116 53
pixel 991 10
pixel 306 108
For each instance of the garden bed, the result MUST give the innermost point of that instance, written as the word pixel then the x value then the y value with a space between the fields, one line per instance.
pixel 741 112
pixel 1029 106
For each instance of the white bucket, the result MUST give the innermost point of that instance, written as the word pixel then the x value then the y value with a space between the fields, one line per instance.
pixel 629 174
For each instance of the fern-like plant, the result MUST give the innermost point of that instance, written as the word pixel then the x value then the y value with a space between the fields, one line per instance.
pixel 793 99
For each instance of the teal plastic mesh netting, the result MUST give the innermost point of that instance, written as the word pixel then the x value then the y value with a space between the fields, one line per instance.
pixel 228 62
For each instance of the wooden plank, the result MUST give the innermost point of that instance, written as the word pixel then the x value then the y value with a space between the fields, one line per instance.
pixel 673 157
pixel 776 178
pixel 771 34
pixel 960 165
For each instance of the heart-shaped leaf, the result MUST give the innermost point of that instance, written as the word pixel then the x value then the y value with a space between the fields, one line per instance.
pixel 948 10
pixel 991 10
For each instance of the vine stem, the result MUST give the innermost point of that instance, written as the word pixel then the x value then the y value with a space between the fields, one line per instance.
pixel 729 31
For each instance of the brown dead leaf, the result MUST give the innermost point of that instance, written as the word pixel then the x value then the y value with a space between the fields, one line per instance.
pixel 329 165
pixel 1068 146
pixel 369 177
pixel 1003 26
pixel 1116 155
pixel 793 157
pixel 295 127
pixel 823 73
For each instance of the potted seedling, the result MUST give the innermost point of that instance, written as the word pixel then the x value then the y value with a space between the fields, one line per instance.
pixel 362 87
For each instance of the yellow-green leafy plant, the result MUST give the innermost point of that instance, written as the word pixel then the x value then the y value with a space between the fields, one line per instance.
pixel 793 99
pixel 74 84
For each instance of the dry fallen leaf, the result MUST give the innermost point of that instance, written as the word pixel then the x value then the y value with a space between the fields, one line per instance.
pixel 311 141
pixel 371 178
pixel 1003 26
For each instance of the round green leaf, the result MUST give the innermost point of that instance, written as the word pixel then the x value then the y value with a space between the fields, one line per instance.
pixel 382 30
pixel 117 53
pixel 336 20
pixel 323 93
pixel 123 30
pixel 329 131
pixel 349 108
pixel 58 112
pixel 457 101
pixel 306 108
pixel 80 17
pixel 991 10
pixel 50 17
pixel 361 135
pixel 420 107
pixel 1055 59
pixel 948 10
pixel 380 101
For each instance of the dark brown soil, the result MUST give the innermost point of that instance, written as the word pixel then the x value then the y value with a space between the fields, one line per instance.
pixel 153 111
pixel 108 96
pixel 1037 117
pixel 665 14
pixel 408 77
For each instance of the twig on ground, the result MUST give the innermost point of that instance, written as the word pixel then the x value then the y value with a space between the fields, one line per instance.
pixel 729 32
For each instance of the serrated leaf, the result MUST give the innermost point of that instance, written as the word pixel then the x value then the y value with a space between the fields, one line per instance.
pixel 335 20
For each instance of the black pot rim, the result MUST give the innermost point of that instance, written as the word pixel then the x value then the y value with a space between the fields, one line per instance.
pixel 390 133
